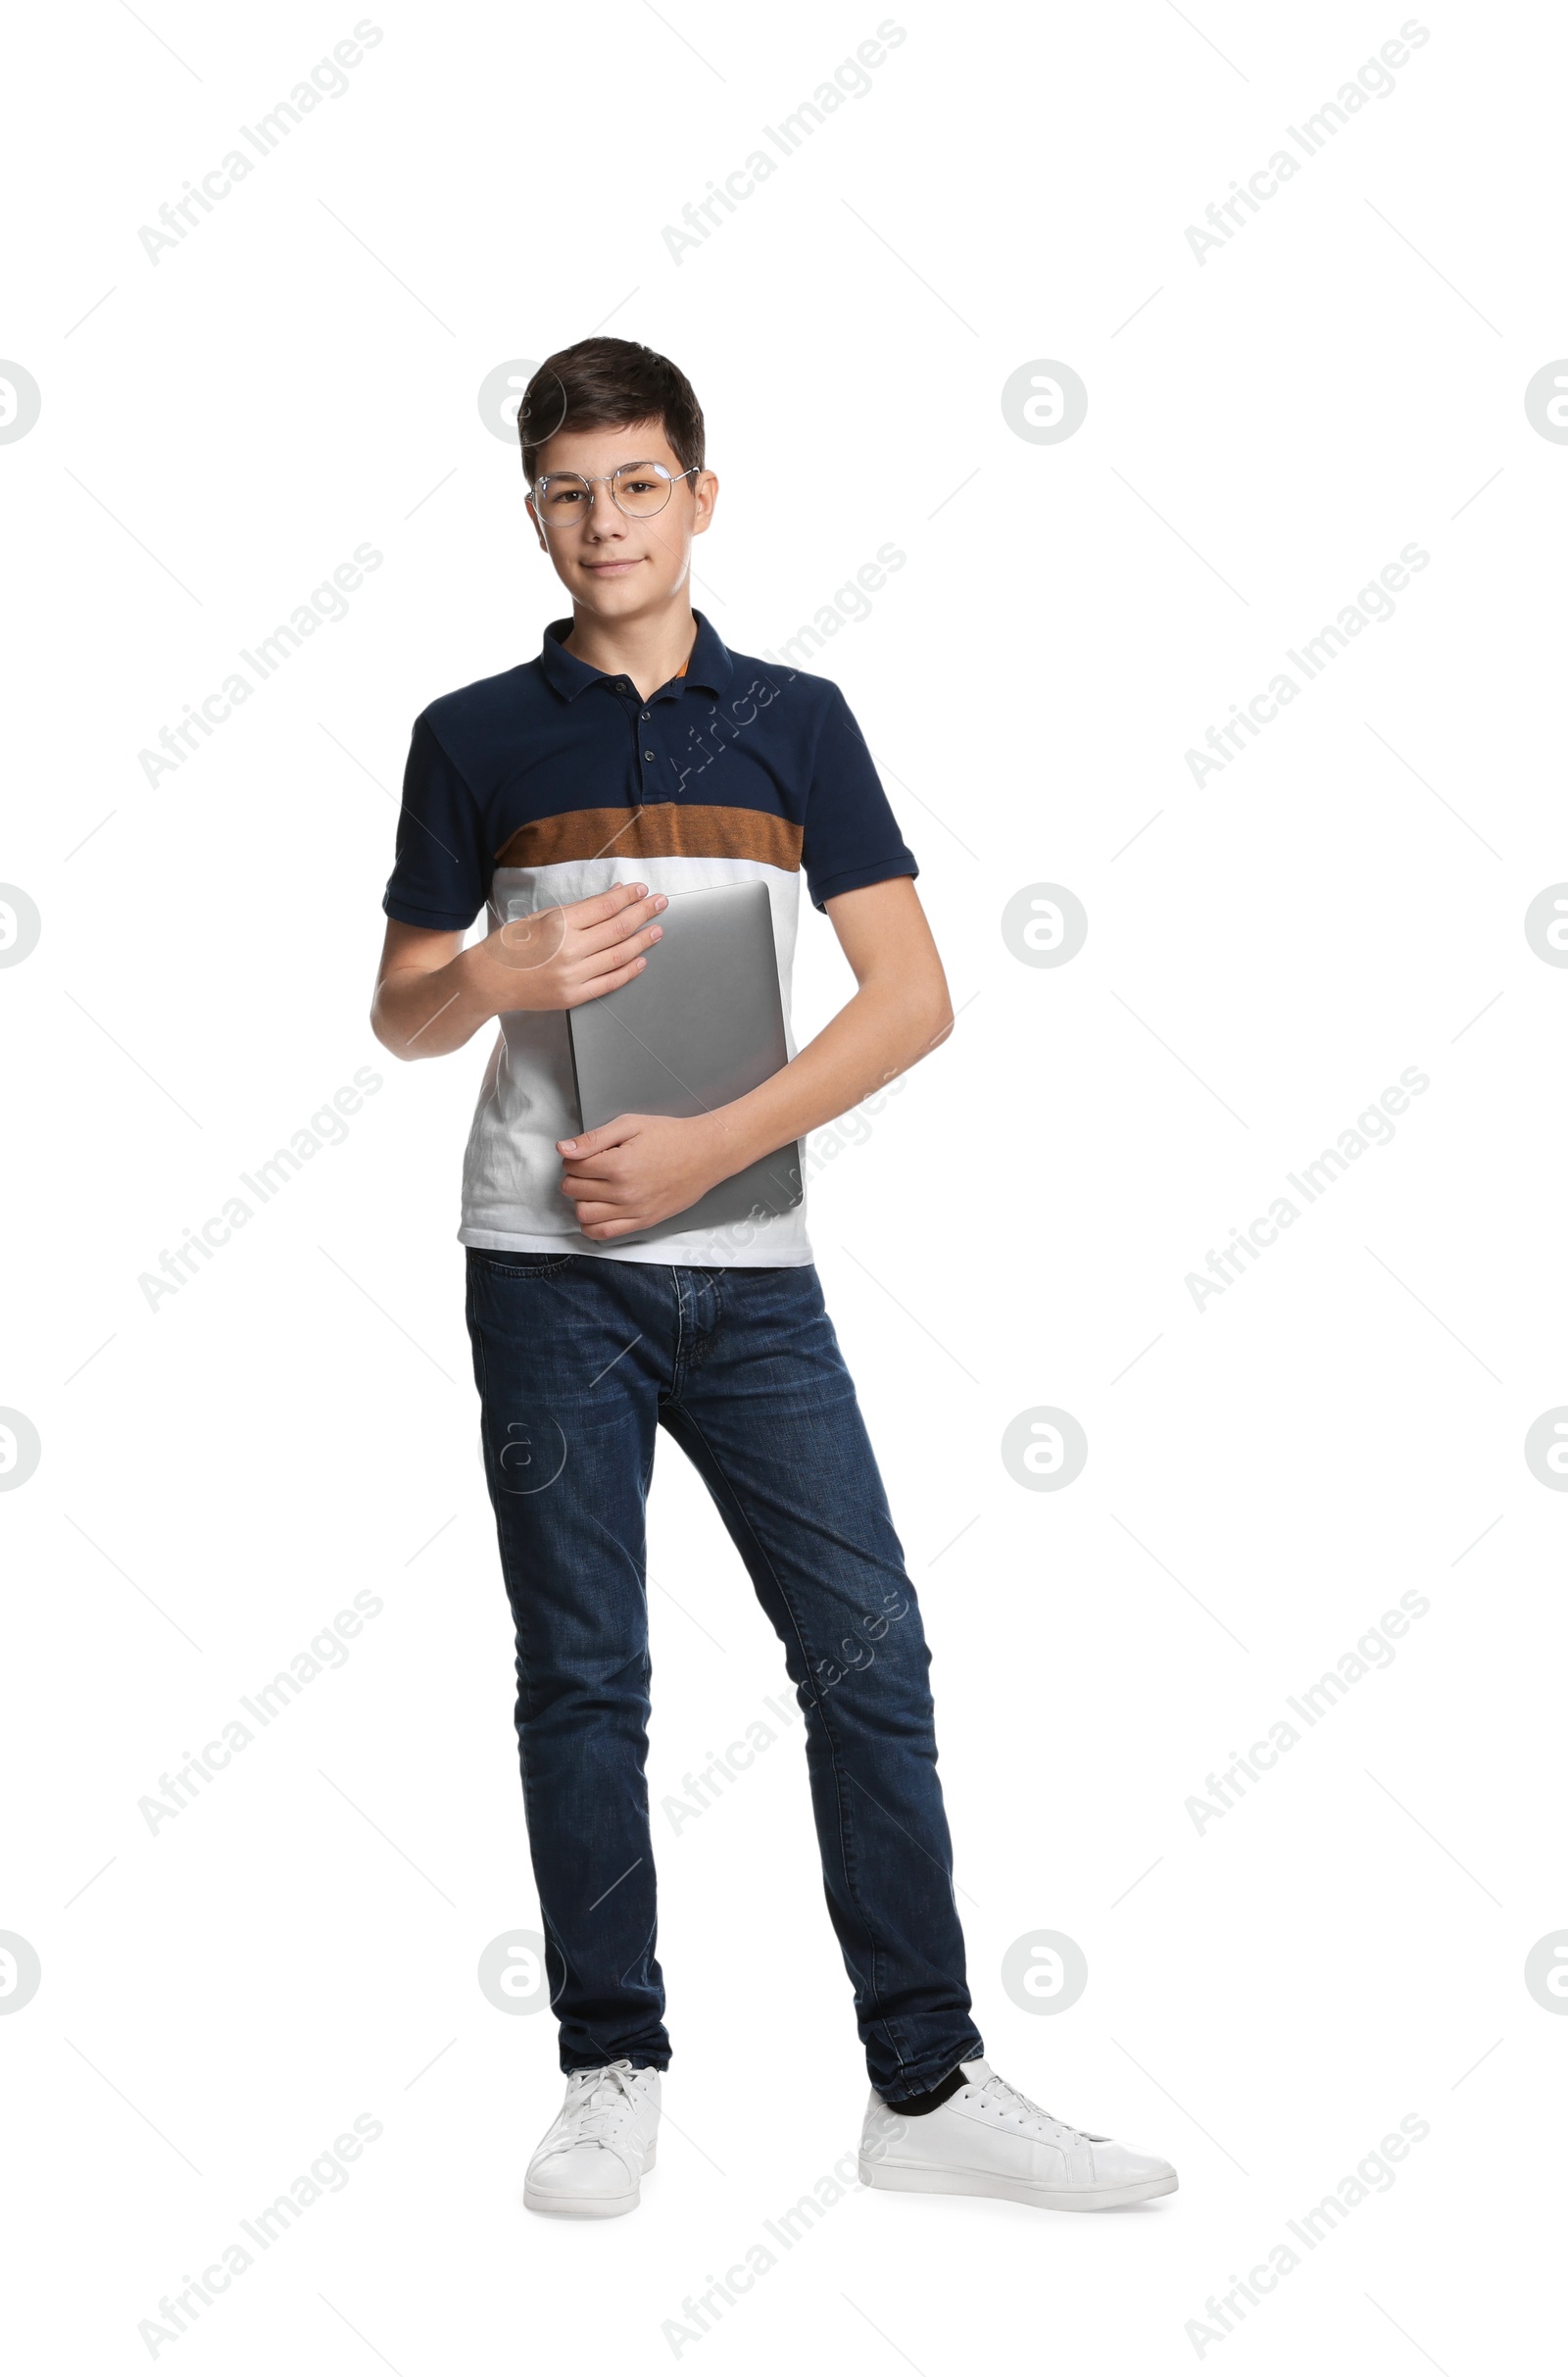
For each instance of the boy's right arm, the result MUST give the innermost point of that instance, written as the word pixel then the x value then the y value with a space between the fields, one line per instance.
pixel 431 994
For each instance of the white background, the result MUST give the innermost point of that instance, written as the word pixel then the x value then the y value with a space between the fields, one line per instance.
pixel 1267 429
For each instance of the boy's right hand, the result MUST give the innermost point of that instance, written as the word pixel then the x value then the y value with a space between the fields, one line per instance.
pixel 563 957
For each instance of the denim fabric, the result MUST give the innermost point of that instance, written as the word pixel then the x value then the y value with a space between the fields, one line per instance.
pixel 577 1362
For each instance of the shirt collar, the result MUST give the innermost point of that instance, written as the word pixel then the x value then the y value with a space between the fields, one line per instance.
pixel 710 665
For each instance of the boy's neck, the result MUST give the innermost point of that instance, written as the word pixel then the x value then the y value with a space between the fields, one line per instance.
pixel 649 650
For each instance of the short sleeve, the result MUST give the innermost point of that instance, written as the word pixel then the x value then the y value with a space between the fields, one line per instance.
pixel 851 836
pixel 441 878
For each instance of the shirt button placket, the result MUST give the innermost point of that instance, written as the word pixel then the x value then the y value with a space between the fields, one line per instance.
pixel 650 759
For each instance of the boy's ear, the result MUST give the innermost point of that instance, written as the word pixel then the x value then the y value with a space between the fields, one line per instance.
pixel 534 517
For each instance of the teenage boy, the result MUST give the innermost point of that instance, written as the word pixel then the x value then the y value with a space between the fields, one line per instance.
pixel 570 796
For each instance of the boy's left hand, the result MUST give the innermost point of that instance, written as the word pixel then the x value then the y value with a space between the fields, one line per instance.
pixel 638 1171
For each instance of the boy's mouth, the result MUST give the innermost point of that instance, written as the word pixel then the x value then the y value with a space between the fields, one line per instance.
pixel 615 568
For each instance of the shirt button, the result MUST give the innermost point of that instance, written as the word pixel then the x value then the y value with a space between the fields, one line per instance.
pixel 648 755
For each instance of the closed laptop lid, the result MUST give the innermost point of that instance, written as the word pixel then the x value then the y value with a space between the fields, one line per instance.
pixel 703 1022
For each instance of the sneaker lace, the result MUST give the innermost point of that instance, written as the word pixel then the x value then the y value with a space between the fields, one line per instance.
pixel 1009 2099
pixel 601 2102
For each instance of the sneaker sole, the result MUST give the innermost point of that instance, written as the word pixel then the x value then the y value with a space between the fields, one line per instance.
pixel 587 2208
pixel 910 2178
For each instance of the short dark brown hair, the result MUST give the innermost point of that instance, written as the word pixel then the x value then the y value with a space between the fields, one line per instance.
pixel 603 383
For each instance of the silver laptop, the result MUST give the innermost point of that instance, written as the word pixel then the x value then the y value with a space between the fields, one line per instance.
pixel 703 1023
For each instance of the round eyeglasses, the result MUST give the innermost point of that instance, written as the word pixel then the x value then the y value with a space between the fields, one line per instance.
pixel 563 499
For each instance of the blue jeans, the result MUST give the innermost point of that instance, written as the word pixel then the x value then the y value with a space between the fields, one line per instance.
pixel 578 1360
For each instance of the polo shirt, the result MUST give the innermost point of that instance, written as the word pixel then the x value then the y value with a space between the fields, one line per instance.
pixel 554 781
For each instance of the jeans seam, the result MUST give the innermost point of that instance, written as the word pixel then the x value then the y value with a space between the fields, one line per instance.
pixel 678 1352
pixel 845 1828
pixel 514 1574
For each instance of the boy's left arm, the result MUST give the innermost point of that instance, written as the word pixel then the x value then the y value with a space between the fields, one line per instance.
pixel 640 1168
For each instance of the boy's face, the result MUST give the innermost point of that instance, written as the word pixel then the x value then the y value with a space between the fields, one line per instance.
pixel 613 565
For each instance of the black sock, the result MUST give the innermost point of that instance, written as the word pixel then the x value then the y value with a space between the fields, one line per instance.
pixel 933 2096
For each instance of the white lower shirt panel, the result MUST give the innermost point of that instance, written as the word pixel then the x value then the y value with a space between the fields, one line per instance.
pixel 511 1170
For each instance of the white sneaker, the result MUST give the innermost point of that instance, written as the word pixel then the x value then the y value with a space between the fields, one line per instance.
pixel 591 2160
pixel 989 2140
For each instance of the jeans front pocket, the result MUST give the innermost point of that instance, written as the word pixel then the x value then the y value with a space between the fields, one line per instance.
pixel 518 1263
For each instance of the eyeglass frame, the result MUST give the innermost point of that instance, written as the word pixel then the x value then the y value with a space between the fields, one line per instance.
pixel 607 478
